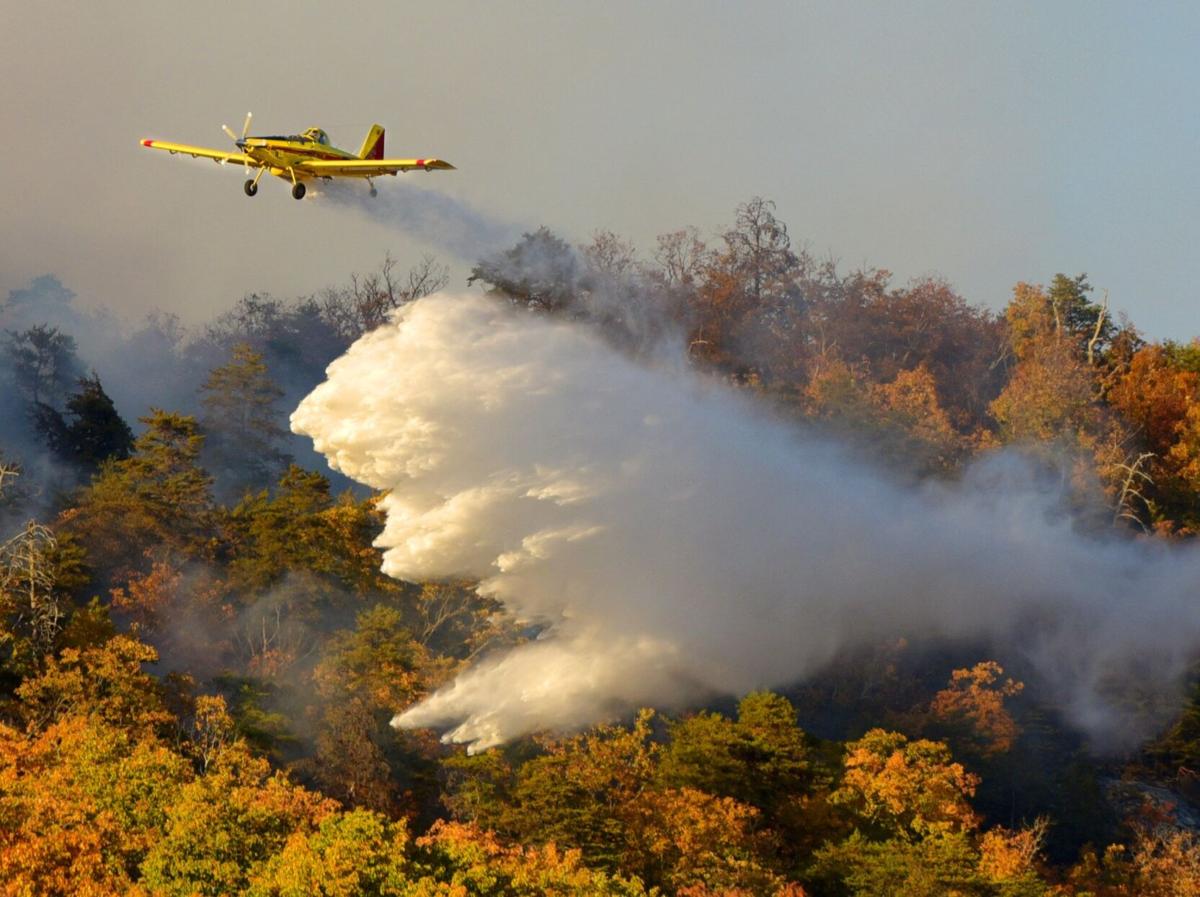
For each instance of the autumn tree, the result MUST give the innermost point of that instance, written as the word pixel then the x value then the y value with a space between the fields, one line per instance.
pixel 478 862
pixel 603 793
pixel 905 789
pixel 913 821
pixel 748 300
pixel 901 424
pixel 925 325
pixel 973 703
pixel 354 854
pixel 225 825
pixel 106 682
pixel 82 801
pixel 452 619
pixel 761 758
pixel 1051 394
pixel 1159 396
pixel 366 675
pixel 157 497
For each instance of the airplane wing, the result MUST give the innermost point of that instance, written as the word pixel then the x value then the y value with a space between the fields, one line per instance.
pixel 199 152
pixel 370 167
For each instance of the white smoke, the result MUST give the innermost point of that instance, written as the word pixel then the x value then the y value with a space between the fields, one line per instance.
pixel 676 543
pixel 426 214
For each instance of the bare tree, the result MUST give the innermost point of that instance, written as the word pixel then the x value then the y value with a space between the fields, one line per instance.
pixel 27 581
pixel 1131 490
pixel 370 298
pixel 8 473
pixel 1091 346
pixel 681 257
pixel 609 255
pixel 760 249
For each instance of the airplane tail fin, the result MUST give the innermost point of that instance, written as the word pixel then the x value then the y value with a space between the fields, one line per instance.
pixel 372 147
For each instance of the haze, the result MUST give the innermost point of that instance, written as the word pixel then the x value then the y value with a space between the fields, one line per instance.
pixel 988 142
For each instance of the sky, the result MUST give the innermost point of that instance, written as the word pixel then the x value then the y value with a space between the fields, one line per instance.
pixel 985 142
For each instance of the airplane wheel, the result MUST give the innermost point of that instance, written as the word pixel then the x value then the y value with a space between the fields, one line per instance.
pixel 374 192
pixel 298 191
pixel 251 187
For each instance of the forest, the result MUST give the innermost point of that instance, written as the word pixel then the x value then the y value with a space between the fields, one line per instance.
pixel 200 656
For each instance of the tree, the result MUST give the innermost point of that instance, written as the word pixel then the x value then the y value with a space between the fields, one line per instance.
pixel 105 682
pixel 478 863
pixel 452 619
pixel 302 532
pixel 147 598
pixel 157 497
pixel 941 864
pixel 43 364
pixel 32 607
pixel 759 250
pixel 748 302
pixel 974 701
pixel 82 803
pixel 921 434
pixel 905 789
pixel 541 272
pixel 90 432
pixel 680 258
pixel 1159 396
pixel 1009 858
pixel 370 298
pixel 924 325
pixel 365 676
pixel 354 854
pixel 377 660
pixel 1051 396
pixel 1075 315
pixel 241 423
pixel 762 759
pixel 226 825
pixel 604 794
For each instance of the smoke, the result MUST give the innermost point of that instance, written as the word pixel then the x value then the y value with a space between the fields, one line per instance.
pixel 430 216
pixel 676 543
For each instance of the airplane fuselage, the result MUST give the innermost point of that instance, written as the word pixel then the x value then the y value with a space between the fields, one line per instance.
pixel 282 154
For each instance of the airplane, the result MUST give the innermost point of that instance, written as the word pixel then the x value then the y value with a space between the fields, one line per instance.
pixel 304 157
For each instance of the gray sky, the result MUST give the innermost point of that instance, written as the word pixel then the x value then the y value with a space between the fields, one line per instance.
pixel 989 142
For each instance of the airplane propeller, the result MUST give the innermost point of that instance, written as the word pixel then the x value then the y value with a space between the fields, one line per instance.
pixel 245 130
pixel 239 141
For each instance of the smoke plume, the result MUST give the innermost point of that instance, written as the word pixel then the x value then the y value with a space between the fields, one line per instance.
pixel 675 543
pixel 430 216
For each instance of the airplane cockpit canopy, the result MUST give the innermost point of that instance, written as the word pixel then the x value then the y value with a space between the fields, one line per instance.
pixel 317 136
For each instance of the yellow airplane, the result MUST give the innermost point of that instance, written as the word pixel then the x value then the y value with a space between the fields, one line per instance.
pixel 303 157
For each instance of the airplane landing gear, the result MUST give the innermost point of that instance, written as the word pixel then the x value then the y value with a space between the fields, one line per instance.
pixel 251 187
pixel 374 192
pixel 298 190
pixel 371 184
